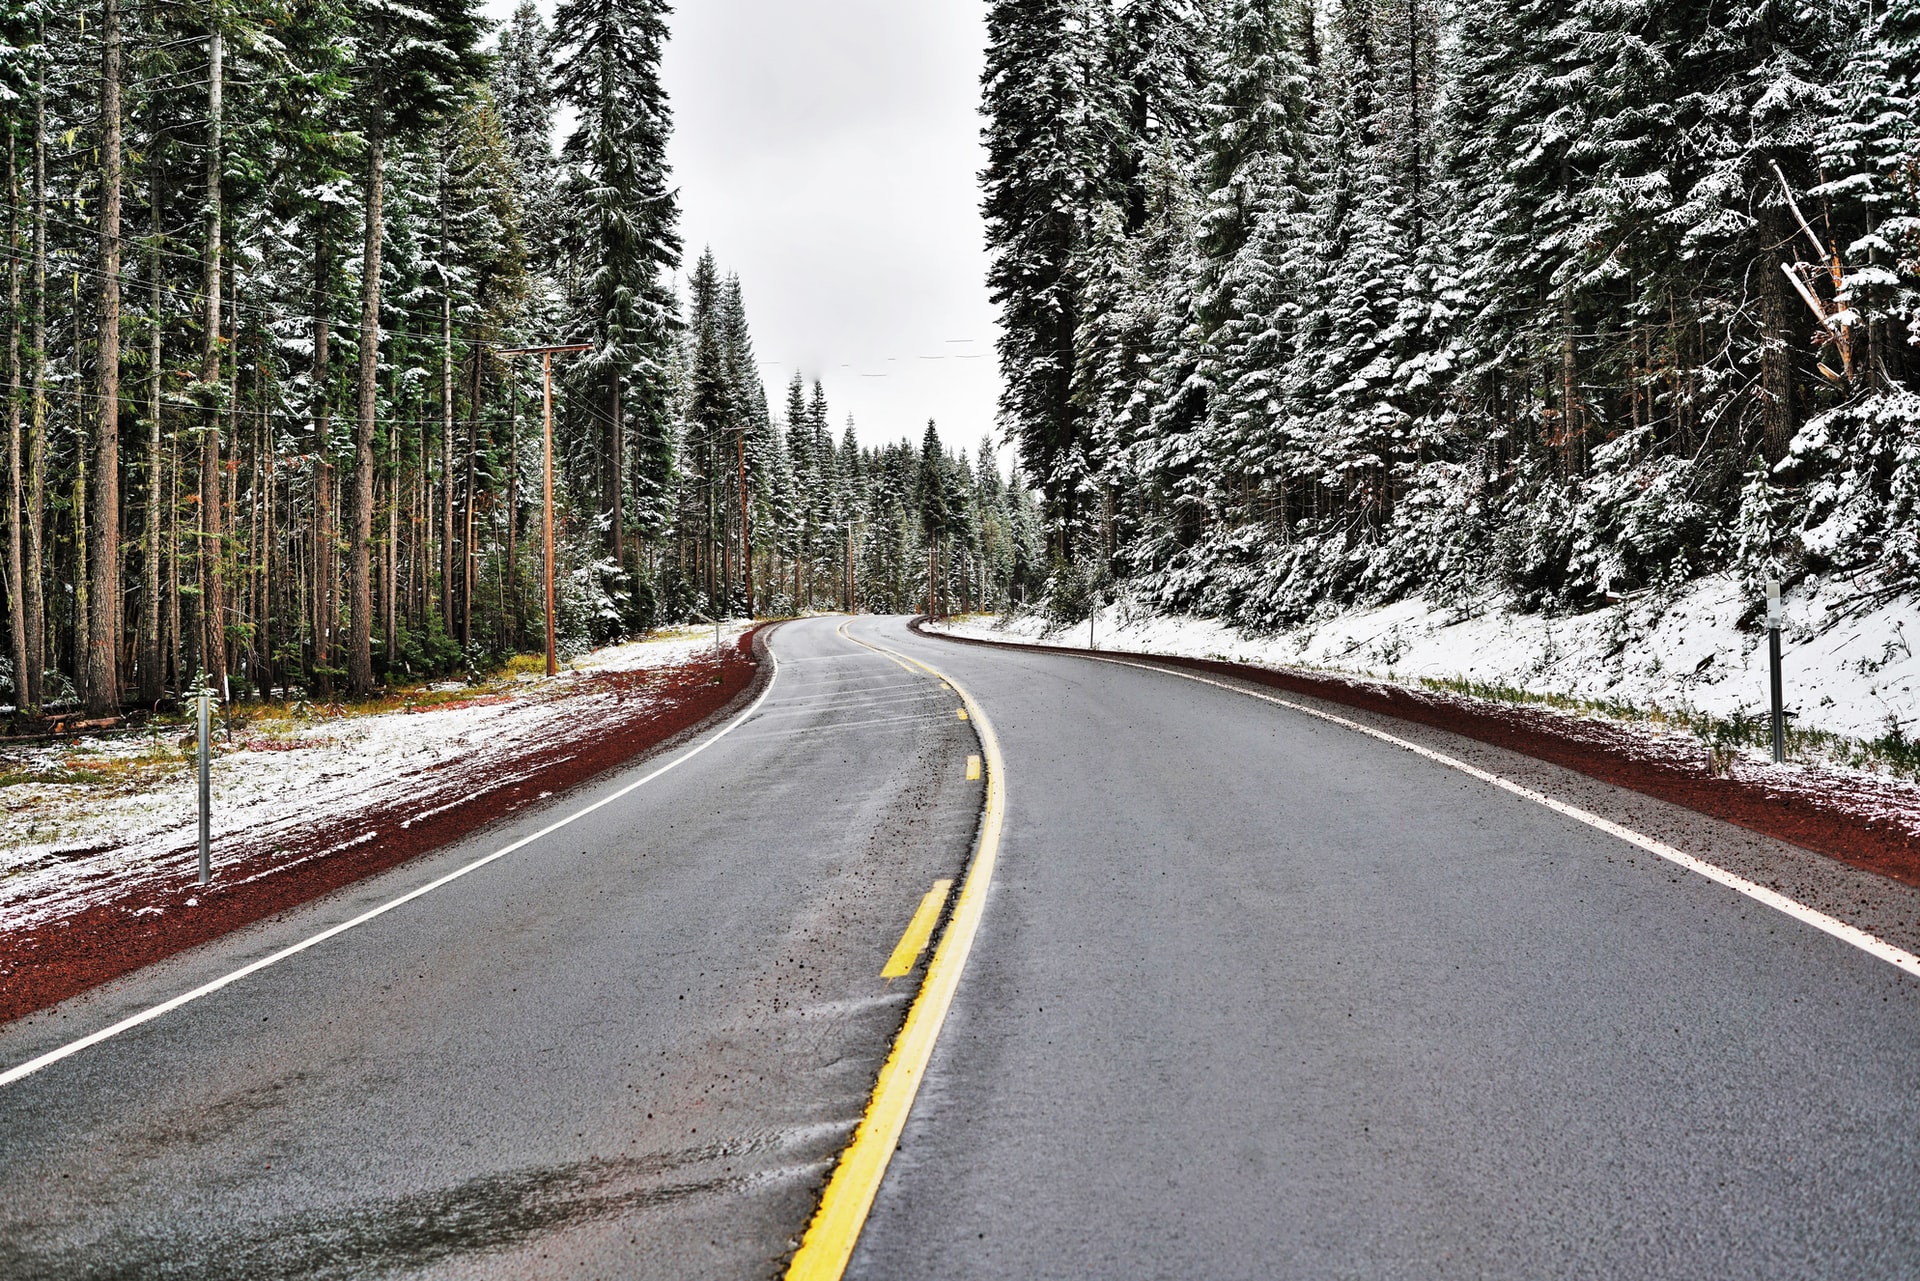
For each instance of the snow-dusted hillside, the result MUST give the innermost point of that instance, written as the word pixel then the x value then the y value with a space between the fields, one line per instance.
pixel 1850 666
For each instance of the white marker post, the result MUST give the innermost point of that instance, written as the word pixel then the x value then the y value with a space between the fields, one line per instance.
pixel 1093 611
pixel 1775 617
pixel 204 696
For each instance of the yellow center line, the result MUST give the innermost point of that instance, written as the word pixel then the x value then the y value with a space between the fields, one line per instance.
pixel 973 767
pixel 919 930
pixel 830 1238
pixel 961 712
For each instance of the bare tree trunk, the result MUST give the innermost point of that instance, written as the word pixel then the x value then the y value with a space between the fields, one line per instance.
pixel 230 470
pixel 213 583
pixel 82 527
pixel 422 543
pixel 513 511
pixel 16 563
pixel 393 545
pixel 616 453
pixel 152 687
pixel 467 557
pixel 173 565
pixel 103 622
pixel 360 662
pixel 746 533
pixel 1776 340
pixel 321 601
pixel 446 454
pixel 268 580
pixel 36 495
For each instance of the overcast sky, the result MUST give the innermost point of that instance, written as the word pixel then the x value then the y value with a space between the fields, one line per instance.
pixel 828 153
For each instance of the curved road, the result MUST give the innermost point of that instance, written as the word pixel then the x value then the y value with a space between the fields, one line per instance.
pixel 1253 995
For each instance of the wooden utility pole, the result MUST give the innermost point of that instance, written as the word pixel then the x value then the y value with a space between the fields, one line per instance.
pixel 546 355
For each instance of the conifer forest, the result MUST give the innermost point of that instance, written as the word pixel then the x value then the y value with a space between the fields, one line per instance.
pixel 1317 303
pixel 266 264
pixel 1304 303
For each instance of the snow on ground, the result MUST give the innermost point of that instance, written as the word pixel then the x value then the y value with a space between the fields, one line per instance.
pixel 133 815
pixel 1848 658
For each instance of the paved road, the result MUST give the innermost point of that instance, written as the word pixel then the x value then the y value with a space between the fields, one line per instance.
pixel 630 1049
pixel 1253 996
pixel 1258 996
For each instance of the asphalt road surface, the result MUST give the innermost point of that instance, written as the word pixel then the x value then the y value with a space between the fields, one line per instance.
pixel 1253 995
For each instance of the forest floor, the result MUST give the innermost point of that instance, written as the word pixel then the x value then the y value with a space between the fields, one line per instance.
pixel 99 836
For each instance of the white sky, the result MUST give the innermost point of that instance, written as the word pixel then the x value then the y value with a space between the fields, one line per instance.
pixel 828 152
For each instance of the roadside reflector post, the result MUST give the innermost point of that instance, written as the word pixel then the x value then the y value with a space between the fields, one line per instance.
pixel 1775 617
pixel 203 697
pixel 1093 606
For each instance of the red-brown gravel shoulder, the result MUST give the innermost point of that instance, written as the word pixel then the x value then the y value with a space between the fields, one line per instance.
pixel 46 965
pixel 1854 818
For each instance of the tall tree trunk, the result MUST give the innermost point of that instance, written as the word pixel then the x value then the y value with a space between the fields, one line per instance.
pixel 446 453
pixel 1776 339
pixel 213 606
pixel 616 452
pixel 360 662
pixel 746 532
pixel 16 562
pixel 393 545
pixel 82 527
pixel 467 558
pixel 36 495
pixel 152 687
pixel 323 539
pixel 173 565
pixel 513 511
pixel 269 582
pixel 103 620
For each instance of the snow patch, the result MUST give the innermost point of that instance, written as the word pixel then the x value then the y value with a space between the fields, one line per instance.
pixel 1847 656
pixel 64 845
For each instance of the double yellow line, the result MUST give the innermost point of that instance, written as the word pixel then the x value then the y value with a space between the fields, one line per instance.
pixel 835 1229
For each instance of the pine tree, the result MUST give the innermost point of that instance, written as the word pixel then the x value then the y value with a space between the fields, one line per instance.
pixel 523 96
pixel 623 213
pixel 409 61
pixel 1047 146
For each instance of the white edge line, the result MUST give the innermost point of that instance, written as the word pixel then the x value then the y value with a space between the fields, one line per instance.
pixel 132 1021
pixel 1871 944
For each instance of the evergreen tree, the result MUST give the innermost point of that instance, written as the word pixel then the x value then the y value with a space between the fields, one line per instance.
pixel 409 60
pixel 523 95
pixel 623 215
pixel 1045 137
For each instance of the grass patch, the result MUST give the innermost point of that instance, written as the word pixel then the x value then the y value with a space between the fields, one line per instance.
pixel 112 773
